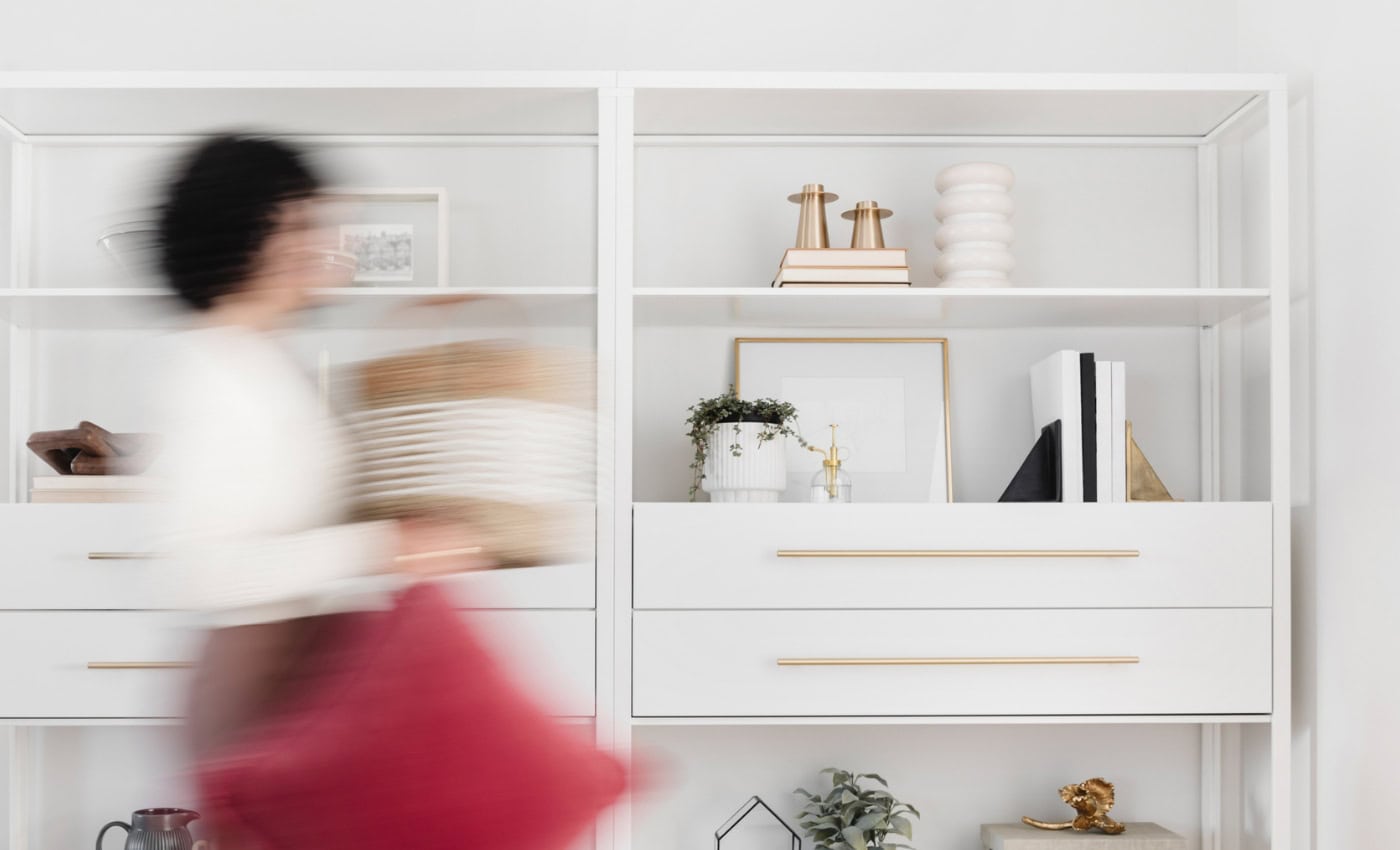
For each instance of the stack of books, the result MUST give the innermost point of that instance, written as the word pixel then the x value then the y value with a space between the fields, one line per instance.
pixel 69 489
pixel 1088 399
pixel 825 267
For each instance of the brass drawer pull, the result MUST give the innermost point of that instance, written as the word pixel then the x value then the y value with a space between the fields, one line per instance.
pixel 140 665
pixel 959 553
pixel 441 553
pixel 123 556
pixel 950 662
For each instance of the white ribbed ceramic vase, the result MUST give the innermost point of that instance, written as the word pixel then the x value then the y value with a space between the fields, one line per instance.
pixel 975 232
pixel 758 474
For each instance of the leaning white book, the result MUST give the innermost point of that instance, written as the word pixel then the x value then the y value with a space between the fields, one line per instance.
pixel 1103 428
pixel 1055 395
pixel 1119 429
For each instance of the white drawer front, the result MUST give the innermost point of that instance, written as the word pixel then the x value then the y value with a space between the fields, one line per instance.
pixel 116 664
pixel 880 663
pixel 83 557
pixel 953 556
pixel 552 586
pixel 80 557
pixel 549 653
pixel 47 665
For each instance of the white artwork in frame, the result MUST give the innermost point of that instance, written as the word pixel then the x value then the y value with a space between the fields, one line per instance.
pixel 383 252
pixel 398 234
pixel 889 398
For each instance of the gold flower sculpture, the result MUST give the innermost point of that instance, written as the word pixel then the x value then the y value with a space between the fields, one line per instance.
pixel 1091 799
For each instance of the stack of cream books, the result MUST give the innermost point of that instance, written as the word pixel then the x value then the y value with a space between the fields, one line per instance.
pixel 68 489
pixel 825 267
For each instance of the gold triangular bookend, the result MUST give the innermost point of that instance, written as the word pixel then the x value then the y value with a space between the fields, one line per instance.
pixel 1143 483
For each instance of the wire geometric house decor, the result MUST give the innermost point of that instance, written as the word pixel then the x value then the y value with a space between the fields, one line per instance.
pixel 743 812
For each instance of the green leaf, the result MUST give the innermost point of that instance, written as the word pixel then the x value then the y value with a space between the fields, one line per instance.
pixel 854 837
pixel 902 826
pixel 847 797
pixel 912 809
pixel 873 820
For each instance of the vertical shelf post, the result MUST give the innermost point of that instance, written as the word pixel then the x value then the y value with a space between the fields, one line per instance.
pixel 21 245
pixel 1280 457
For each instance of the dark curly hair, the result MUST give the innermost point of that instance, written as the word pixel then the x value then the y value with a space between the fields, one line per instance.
pixel 220 208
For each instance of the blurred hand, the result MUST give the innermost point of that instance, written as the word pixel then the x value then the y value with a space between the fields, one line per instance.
pixel 432 548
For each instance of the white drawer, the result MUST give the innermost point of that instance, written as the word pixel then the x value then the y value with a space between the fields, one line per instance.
pixel 549 653
pixel 79 557
pixel 953 556
pixel 552 586
pixel 47 668
pixel 950 663
pixel 84 557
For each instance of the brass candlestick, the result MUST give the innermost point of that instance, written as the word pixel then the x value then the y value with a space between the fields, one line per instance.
pixel 866 232
pixel 811 218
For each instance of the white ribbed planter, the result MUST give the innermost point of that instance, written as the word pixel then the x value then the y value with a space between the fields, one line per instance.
pixel 758 474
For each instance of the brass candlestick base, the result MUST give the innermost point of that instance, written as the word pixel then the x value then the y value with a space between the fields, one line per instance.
pixel 811 218
pixel 866 232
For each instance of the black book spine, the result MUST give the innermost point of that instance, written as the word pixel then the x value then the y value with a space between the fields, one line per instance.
pixel 1089 428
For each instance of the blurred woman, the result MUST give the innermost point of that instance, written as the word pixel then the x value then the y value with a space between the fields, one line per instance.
pixel 255 465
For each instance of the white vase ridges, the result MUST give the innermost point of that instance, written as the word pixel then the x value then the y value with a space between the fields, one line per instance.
pixel 757 474
pixel 974 233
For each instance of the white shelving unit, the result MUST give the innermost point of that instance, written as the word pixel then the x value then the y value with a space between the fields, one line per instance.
pixel 642 214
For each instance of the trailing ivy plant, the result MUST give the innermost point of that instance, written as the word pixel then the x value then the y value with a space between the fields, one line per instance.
pixel 850 817
pixel 778 417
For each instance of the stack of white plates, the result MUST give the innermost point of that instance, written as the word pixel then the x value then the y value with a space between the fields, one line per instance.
pixel 496 435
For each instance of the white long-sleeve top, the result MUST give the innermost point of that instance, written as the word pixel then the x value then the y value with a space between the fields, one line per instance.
pixel 256 476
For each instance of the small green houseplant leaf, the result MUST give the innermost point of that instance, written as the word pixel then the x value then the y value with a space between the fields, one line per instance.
pixel 851 817
pixel 779 419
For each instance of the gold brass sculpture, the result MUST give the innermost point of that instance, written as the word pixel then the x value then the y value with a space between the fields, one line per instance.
pixel 1091 800
pixel 866 232
pixel 1143 483
pixel 811 217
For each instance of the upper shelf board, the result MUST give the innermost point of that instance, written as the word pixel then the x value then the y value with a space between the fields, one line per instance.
pixel 1052 105
pixel 337 103
pixel 379 307
pixel 1014 307
pixel 340 104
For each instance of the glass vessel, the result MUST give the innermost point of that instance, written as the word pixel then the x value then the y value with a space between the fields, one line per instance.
pixel 832 483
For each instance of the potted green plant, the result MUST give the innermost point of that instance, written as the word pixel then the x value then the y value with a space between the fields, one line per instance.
pixel 738 454
pixel 850 817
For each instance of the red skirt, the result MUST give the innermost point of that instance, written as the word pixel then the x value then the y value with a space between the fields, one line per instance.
pixel 383 730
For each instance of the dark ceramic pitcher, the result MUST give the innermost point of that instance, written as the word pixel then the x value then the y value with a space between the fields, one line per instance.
pixel 157 829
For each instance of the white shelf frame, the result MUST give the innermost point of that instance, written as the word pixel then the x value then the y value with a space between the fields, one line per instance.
pixel 617 303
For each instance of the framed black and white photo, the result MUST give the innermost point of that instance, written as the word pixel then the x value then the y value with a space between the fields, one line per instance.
pixel 383 252
pixel 398 236
pixel 889 398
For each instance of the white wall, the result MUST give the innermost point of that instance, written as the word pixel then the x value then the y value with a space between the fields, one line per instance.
pixel 1078 35
pixel 1346 131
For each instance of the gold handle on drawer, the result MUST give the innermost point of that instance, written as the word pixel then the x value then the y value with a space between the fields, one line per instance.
pixel 139 665
pixel 122 556
pixel 958 553
pixel 951 662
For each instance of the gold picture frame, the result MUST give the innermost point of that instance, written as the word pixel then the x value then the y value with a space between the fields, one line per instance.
pixel 942 342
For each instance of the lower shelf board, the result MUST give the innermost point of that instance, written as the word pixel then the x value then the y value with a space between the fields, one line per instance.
pixel 1003 720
